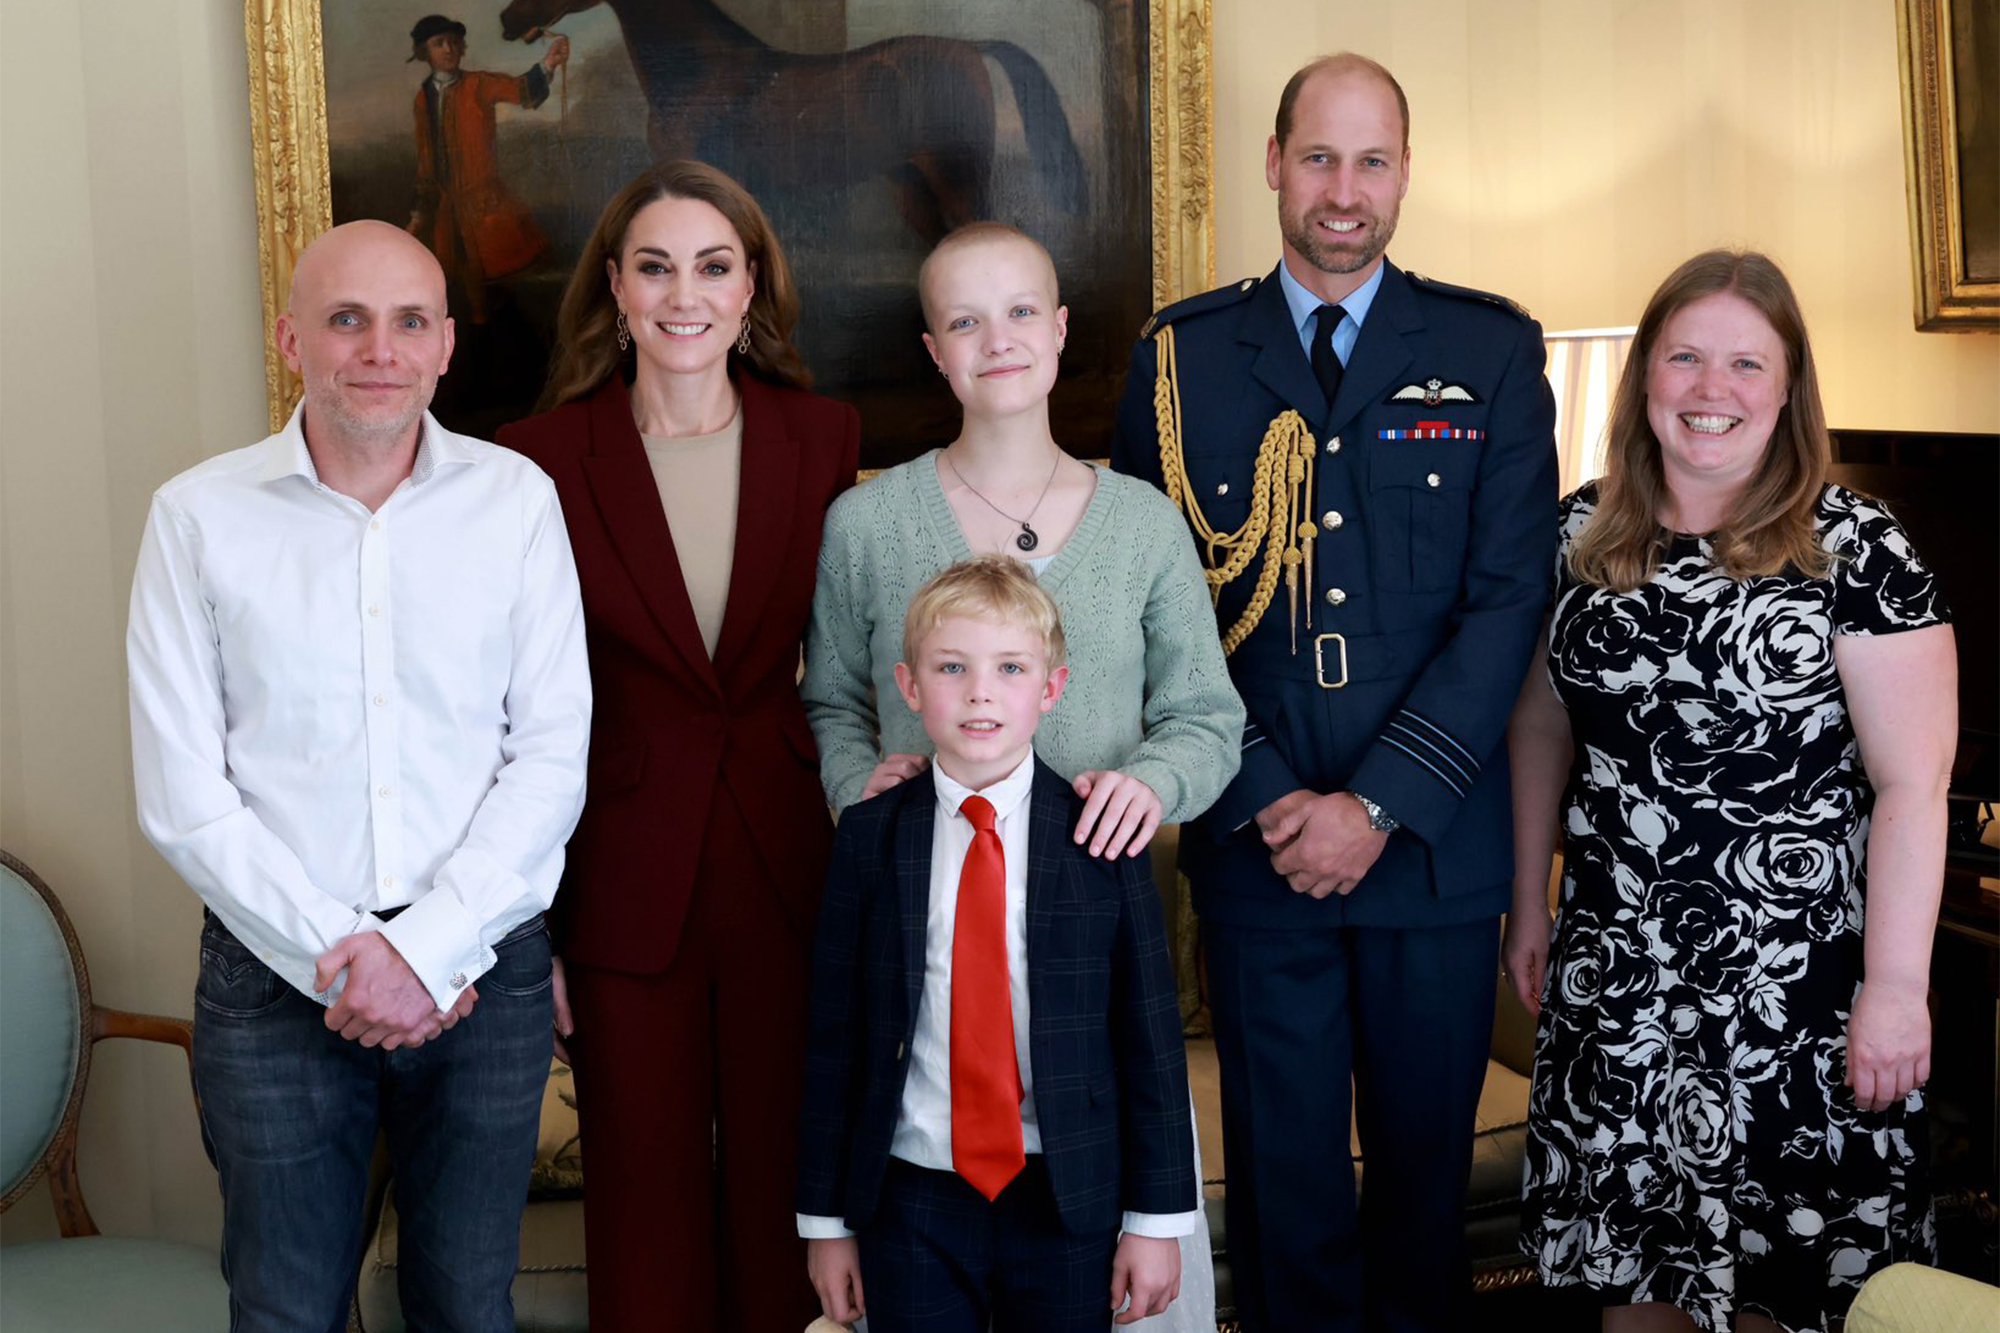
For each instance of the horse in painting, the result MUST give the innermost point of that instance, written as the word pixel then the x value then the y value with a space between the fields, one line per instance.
pixel 918 111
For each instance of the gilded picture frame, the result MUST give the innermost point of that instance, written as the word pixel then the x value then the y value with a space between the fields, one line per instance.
pixel 293 167
pixel 1951 143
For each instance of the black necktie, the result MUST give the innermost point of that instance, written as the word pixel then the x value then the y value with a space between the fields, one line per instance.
pixel 1326 366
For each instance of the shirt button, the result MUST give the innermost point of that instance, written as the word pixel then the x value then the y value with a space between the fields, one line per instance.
pixel 1333 445
pixel 381 791
pixel 374 610
pixel 1331 519
pixel 1433 479
pixel 380 700
pixel 1222 489
pixel 388 881
pixel 1334 596
pixel 458 981
pixel 374 525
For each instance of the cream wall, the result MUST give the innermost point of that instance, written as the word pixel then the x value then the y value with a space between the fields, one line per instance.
pixel 128 351
pixel 1567 153
pixel 1570 153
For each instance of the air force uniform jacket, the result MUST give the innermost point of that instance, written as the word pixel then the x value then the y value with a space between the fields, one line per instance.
pixel 1432 513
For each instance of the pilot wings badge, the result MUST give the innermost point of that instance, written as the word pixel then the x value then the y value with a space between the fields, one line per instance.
pixel 1432 392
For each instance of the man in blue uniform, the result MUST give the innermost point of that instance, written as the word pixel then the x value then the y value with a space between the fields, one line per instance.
pixel 1367 460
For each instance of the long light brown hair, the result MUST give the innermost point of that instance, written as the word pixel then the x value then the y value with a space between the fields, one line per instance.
pixel 587 351
pixel 1769 527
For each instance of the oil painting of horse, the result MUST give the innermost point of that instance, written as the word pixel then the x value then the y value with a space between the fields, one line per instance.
pixel 866 128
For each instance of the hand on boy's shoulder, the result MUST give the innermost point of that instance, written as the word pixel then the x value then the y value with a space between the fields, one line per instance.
pixel 1120 813
pixel 892 771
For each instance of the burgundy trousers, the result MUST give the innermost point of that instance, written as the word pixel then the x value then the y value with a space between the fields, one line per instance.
pixel 688 1087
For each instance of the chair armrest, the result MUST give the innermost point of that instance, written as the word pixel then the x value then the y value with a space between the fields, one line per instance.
pixel 146 1027
pixel 65 1189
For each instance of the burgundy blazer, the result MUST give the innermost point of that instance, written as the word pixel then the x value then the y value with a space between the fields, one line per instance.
pixel 670 728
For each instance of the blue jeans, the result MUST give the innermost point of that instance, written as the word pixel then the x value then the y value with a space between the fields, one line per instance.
pixel 290 1114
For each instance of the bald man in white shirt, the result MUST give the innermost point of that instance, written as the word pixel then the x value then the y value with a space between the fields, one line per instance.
pixel 360 707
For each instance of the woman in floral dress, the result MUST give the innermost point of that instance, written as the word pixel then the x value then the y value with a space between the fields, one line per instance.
pixel 1745 734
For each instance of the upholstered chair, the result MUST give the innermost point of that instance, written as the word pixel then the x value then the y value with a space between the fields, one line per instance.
pixel 85 1282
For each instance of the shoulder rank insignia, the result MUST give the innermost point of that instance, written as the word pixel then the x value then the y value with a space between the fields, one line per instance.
pixel 1213 299
pixel 1433 392
pixel 1468 293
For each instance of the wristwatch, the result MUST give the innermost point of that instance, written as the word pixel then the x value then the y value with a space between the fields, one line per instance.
pixel 1379 819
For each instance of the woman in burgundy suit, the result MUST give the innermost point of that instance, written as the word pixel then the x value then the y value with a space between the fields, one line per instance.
pixel 694 472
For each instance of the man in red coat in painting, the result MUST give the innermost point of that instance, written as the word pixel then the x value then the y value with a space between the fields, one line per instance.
pixel 478 231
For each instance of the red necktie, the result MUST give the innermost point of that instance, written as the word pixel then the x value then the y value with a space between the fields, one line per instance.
pixel 985 1080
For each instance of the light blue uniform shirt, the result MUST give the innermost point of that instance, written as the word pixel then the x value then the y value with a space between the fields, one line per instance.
pixel 1305 311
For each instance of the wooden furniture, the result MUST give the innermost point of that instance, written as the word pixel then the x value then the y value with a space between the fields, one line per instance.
pixel 1965 1082
pixel 85 1282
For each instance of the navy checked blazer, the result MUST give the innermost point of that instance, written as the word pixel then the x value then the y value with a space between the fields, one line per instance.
pixel 1435 515
pixel 1104 1028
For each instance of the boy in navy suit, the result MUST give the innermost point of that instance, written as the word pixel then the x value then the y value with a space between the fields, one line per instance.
pixel 996 1097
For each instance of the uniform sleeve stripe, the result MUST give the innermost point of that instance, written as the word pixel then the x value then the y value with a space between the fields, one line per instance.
pixel 1463 756
pixel 1434 770
pixel 1410 736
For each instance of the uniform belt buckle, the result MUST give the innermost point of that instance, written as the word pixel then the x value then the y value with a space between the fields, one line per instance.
pixel 1319 660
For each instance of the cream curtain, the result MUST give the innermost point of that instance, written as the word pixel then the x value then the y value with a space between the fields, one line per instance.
pixel 1584 365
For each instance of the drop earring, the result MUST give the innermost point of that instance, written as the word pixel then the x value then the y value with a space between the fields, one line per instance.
pixel 624 332
pixel 743 338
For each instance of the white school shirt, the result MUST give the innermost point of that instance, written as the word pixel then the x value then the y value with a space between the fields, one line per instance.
pixel 335 712
pixel 923 1123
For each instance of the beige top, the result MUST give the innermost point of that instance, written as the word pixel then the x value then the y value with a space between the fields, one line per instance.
pixel 699 477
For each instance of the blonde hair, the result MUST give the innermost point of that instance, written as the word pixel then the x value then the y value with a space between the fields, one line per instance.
pixel 971 234
pixel 998 588
pixel 587 352
pixel 1770 526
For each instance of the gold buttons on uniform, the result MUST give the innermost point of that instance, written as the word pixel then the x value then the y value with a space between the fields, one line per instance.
pixel 1335 596
pixel 1331 519
pixel 1433 479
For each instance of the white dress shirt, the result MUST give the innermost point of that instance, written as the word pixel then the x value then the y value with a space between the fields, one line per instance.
pixel 335 712
pixel 923 1123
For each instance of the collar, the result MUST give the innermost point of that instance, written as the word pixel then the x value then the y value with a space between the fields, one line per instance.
pixel 1304 304
pixel 441 81
pixel 286 454
pixel 1006 795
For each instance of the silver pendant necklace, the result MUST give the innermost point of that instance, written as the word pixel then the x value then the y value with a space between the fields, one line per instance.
pixel 1028 539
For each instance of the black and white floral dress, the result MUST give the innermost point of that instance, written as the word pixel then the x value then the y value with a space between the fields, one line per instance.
pixel 1689 1136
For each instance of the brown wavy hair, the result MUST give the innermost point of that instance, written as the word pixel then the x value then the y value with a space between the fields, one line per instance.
pixel 1770 526
pixel 587 352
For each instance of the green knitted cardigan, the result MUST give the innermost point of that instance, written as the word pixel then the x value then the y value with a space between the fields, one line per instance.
pixel 1149 692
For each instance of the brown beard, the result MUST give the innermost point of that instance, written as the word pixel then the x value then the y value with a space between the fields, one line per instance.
pixel 1309 242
